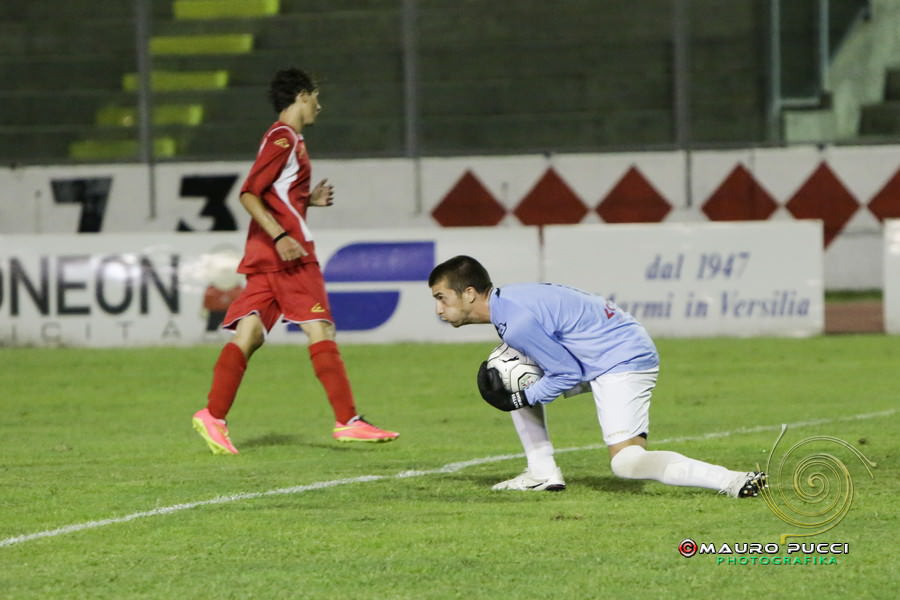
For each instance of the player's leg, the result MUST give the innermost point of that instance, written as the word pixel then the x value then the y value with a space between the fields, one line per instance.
pixel 229 369
pixel 623 407
pixel 251 315
pixel 329 368
pixel 301 293
pixel 228 373
pixel 542 473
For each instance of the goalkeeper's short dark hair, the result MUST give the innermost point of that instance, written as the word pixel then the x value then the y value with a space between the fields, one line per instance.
pixel 461 272
pixel 285 86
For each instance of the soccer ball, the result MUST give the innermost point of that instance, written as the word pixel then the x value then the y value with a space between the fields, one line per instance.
pixel 516 370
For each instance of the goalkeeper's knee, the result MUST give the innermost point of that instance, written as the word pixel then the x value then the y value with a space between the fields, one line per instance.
pixel 625 463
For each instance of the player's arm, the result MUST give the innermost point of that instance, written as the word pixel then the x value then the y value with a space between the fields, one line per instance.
pixel 287 247
pixel 272 156
pixel 561 371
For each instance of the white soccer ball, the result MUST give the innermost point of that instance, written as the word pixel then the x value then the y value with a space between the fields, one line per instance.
pixel 517 371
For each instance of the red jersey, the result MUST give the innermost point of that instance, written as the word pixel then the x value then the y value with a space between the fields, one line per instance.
pixel 280 177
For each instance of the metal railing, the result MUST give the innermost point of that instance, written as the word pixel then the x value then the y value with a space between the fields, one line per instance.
pixel 806 36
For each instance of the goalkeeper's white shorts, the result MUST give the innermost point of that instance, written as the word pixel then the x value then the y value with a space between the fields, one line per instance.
pixel 623 404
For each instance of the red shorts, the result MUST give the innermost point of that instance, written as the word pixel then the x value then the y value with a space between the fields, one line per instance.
pixel 297 293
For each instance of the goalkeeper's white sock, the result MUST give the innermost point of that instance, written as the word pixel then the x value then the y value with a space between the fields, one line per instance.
pixel 531 425
pixel 634 462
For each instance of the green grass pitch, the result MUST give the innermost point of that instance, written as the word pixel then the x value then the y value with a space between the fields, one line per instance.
pixel 103 438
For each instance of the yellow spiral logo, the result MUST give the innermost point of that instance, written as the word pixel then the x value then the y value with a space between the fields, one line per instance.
pixel 821 487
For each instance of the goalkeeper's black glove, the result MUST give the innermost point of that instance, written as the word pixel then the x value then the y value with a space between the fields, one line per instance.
pixel 494 393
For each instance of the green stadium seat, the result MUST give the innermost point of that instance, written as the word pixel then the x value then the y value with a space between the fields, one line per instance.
pixel 224 9
pixel 164 114
pixel 168 81
pixel 163 147
pixel 235 43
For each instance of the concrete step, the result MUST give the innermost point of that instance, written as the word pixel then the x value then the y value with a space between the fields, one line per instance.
pixel 73 73
pixel 892 85
pixel 30 108
pixel 501 96
pixel 25 144
pixel 541 132
pixel 163 114
pixel 239 140
pixel 880 119
pixel 334 65
pixel 354 29
pixel 59 37
pixel 443 24
pixel 534 61
pixel 100 150
pixel 73 10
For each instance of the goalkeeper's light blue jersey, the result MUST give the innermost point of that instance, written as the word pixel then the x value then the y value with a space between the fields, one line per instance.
pixel 574 336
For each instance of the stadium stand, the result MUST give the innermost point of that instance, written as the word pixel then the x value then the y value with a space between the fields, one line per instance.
pixel 573 76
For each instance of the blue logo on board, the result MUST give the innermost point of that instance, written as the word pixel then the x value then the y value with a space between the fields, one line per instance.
pixel 373 262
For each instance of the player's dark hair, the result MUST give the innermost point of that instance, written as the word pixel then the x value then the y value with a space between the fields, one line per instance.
pixel 285 86
pixel 461 272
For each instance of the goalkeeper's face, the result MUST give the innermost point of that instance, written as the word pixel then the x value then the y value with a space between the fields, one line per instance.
pixel 450 306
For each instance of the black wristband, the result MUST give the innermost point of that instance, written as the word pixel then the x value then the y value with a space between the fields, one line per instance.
pixel 279 236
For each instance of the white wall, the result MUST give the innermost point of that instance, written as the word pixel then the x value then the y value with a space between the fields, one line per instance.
pixel 375 194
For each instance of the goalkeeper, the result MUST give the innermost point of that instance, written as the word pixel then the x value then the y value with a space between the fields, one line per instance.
pixel 579 340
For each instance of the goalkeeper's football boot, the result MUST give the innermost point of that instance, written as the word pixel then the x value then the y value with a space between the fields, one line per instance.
pixel 358 429
pixel 214 431
pixel 526 482
pixel 747 485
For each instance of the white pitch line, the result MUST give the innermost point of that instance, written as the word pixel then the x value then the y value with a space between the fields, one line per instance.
pixel 448 468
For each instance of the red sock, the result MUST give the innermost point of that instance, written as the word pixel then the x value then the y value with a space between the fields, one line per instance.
pixel 329 368
pixel 227 375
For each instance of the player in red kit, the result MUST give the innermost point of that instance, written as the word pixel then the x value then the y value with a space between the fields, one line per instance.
pixel 283 275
